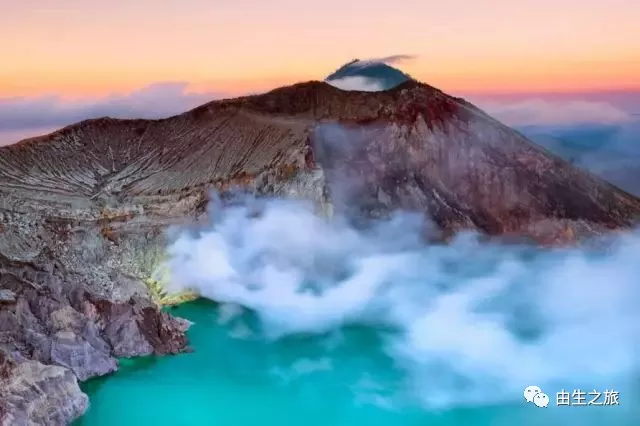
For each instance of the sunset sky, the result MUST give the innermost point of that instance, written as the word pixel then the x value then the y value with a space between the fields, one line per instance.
pixel 93 48
pixel 524 61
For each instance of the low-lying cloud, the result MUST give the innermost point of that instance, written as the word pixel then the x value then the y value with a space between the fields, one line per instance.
pixel 26 117
pixel 444 308
pixel 597 132
pixel 358 83
pixel 610 151
pixel 535 112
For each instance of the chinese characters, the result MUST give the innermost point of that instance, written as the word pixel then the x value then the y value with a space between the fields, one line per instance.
pixel 578 397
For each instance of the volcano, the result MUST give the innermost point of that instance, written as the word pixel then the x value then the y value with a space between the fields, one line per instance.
pixel 84 209
pixel 412 147
pixel 380 74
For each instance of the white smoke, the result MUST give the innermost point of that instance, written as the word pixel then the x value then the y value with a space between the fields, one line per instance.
pixel 357 83
pixel 475 323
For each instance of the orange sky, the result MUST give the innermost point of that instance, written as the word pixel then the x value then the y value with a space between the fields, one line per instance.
pixel 86 48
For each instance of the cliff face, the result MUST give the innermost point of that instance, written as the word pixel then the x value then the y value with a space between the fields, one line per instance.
pixel 54 332
pixel 83 209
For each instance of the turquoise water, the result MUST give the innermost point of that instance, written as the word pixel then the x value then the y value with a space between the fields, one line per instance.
pixel 238 377
pixel 321 323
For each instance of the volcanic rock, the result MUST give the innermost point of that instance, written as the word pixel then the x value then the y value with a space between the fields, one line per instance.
pixel 84 209
pixel 56 331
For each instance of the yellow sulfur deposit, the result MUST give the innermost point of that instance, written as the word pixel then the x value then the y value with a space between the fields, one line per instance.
pixel 159 293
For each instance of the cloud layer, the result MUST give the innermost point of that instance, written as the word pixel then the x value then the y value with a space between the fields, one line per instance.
pixel 443 308
pixel 357 83
pixel 554 112
pixel 393 59
pixel 26 117
pixel 600 134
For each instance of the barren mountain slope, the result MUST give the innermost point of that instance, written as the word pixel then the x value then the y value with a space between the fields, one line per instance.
pixel 412 146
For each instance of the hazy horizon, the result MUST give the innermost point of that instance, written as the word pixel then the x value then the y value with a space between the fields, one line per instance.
pixel 23 117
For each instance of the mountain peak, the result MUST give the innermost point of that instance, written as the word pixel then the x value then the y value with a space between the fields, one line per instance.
pixel 367 75
pixel 413 146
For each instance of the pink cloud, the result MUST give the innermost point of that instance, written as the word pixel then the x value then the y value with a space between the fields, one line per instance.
pixel 26 117
pixel 539 111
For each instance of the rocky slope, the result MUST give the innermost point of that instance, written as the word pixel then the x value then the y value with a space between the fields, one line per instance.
pixel 84 209
pixel 54 332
